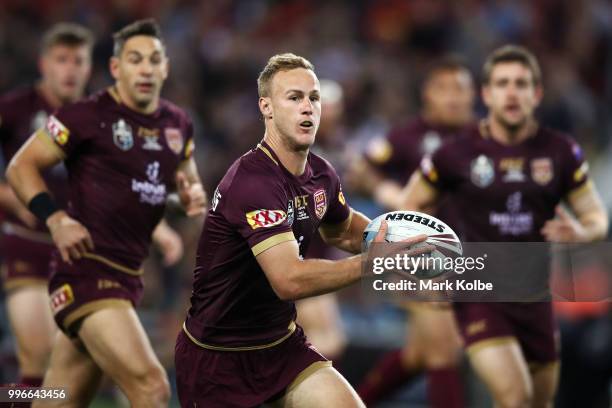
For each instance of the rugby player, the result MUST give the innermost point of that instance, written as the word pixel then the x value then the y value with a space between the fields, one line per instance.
pixel 65 65
pixel 433 342
pixel 240 345
pixel 124 149
pixel 507 180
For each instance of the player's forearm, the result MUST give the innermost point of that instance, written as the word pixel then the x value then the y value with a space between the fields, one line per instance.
pixel 312 277
pixel 595 226
pixel 25 179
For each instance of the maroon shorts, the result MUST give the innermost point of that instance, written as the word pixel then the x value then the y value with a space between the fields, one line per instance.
pixel 86 286
pixel 228 379
pixel 531 324
pixel 25 261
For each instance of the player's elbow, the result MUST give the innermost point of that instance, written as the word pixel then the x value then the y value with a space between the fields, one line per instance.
pixel 287 290
pixel 13 170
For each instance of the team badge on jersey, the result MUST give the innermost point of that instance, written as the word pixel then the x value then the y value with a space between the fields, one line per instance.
pixel 61 298
pixel 542 170
pixel 174 139
pixel 265 218
pixel 122 135
pixel 57 131
pixel 482 171
pixel 320 201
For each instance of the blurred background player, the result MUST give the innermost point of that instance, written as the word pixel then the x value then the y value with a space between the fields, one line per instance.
pixel 122 148
pixel 319 316
pixel 433 343
pixel 512 166
pixel 65 65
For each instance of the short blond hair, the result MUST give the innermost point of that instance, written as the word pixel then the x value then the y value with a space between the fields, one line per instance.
pixel 279 62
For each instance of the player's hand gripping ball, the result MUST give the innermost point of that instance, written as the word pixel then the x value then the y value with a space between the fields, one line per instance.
pixel 406 224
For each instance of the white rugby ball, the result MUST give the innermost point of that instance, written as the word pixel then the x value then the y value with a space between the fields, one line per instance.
pixel 406 224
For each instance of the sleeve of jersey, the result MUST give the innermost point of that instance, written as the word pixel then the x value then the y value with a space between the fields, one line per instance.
pixel 60 131
pixel 575 168
pixel 339 209
pixel 382 154
pixel 259 213
pixel 189 142
pixel 434 169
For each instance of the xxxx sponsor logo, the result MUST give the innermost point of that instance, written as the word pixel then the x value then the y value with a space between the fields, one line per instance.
pixel 57 130
pixel 265 218
pixel 61 298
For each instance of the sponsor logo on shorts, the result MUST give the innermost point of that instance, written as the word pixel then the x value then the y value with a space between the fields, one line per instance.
pixel 108 284
pixel 122 135
pixel 320 200
pixel 265 218
pixel 61 298
pixel 57 131
pixel 174 139
pixel 542 170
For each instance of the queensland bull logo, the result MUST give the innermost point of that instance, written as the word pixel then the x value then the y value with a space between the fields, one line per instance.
pixel 265 218
pixel 320 201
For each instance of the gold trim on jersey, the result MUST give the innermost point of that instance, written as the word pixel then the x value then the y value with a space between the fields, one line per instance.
pixel 291 328
pixel 112 91
pixel 491 341
pixel 307 372
pixel 267 152
pixel 15 283
pixel 88 308
pixel 17 230
pixel 272 241
pixel 580 190
pixel 44 136
pixel 114 265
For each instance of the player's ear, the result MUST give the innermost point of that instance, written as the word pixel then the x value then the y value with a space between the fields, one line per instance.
pixel 539 93
pixel 485 94
pixel 113 65
pixel 265 107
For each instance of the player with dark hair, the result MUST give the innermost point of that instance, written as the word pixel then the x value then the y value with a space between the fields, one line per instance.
pixel 507 179
pixel 433 344
pixel 124 149
pixel 240 345
pixel 65 64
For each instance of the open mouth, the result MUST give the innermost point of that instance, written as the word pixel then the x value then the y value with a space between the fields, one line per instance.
pixel 306 125
pixel 146 87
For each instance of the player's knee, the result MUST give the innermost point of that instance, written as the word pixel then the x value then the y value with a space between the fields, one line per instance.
pixel 152 383
pixel 517 397
pixel 35 355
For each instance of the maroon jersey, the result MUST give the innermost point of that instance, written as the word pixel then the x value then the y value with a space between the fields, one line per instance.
pixel 22 112
pixel 506 193
pixel 121 166
pixel 257 205
pixel 398 155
